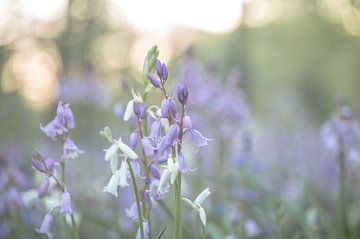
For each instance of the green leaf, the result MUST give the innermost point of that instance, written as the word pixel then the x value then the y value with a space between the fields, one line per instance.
pixel 161 233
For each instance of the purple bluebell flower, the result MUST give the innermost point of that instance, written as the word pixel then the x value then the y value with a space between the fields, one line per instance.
pixel 133 140
pixel 71 151
pixel 182 94
pixel 187 122
pixel 161 70
pixel 42 165
pixel 66 204
pixel 153 191
pixel 45 227
pixel 198 139
pixel 182 163
pixel 53 129
pixel 139 110
pixel 168 106
pixel 154 172
pixel 251 228
pixel 44 187
pixel 170 138
pixel 132 212
pixel 148 148
pixel 155 131
pixel 70 122
pixel 136 168
pixel 153 80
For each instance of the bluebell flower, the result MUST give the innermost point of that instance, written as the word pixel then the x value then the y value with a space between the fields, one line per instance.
pixel 197 204
pixel 161 71
pixel 182 163
pixel 71 151
pixel 132 212
pixel 44 187
pixel 168 106
pixel 147 147
pixel 42 165
pixel 198 139
pixel 182 94
pixel 153 80
pixel 155 131
pixel 139 110
pixel 45 227
pixel 65 207
pixel 133 140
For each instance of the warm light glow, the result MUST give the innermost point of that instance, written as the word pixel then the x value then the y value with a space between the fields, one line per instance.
pixel 33 70
pixel 161 16
pixel 43 10
pixel 262 12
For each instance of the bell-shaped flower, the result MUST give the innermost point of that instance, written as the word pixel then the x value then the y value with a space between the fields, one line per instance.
pixel 111 152
pixel 139 110
pixel 45 227
pixel 198 139
pixel 155 131
pixel 170 173
pixel 68 115
pixel 182 163
pixel 168 106
pixel 161 70
pixel 53 129
pixel 71 151
pixel 65 207
pixel 147 147
pixel 129 110
pixel 126 150
pixel 133 140
pixel 44 187
pixel 132 212
pixel 119 178
pixel 197 204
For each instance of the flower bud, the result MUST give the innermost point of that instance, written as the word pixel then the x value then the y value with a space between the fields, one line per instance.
pixel 182 94
pixel 153 80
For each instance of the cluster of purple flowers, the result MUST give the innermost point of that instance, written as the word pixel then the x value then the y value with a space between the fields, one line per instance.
pixel 159 137
pixel 48 167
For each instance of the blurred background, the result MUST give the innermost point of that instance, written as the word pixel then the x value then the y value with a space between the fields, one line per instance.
pixel 276 67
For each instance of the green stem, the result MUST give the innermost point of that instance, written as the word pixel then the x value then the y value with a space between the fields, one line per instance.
pixel 203 232
pixel 74 228
pixel 178 220
pixel 137 199
pixel 63 190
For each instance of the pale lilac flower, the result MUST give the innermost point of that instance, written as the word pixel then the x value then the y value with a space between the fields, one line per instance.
pixel 198 139
pixel 182 163
pixel 70 122
pixel 66 204
pixel 42 165
pixel 170 137
pixel 53 129
pixel 155 131
pixel 133 140
pixel 45 227
pixel 132 212
pixel 154 172
pixel 168 106
pixel 44 187
pixel 251 228
pixel 148 148
pixel 153 190
pixel 71 151
pixel 187 122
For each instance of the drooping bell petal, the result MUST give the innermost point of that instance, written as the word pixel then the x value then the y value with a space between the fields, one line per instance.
pixel 170 137
pixel 112 186
pixel 127 150
pixel 182 163
pixel 43 187
pixel 173 170
pixel 45 227
pixel 133 140
pixel 165 106
pixel 163 181
pixel 65 207
pixel 148 148
pixel 139 110
pixel 111 152
pixel 114 164
pixel 132 212
pixel 155 131
pixel 71 151
pixel 202 196
pixel 154 172
pixel 129 110
pixel 187 122
pixel 198 139
pixel 172 107
pixel 123 175
pixel 70 122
